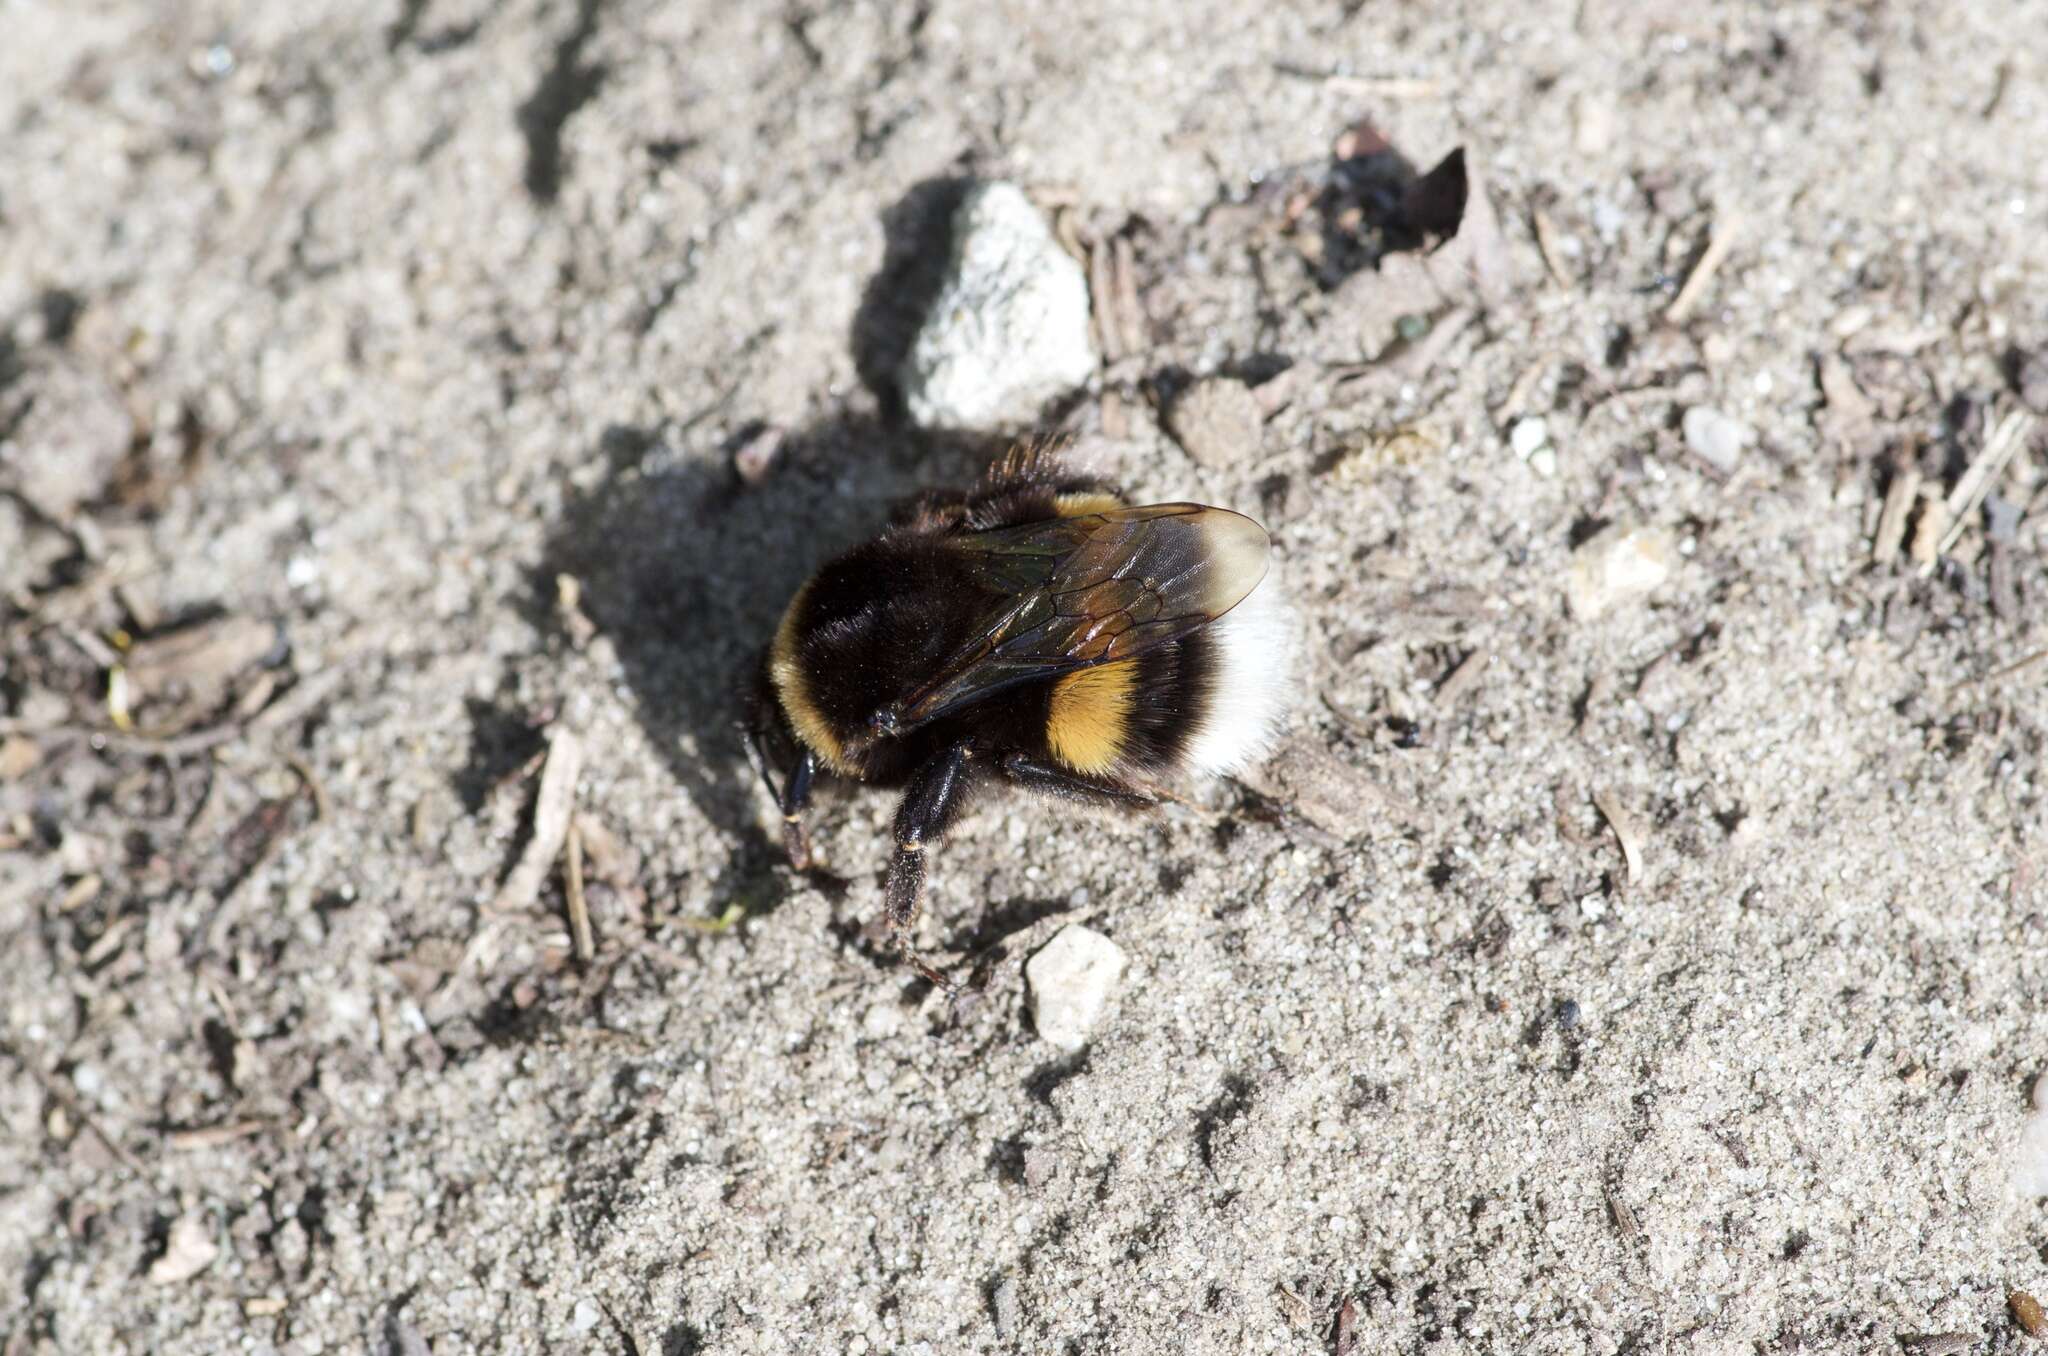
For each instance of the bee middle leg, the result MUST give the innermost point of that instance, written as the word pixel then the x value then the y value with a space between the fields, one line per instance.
pixel 934 799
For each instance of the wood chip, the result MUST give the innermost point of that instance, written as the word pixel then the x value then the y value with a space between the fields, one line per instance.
pixel 1347 1326
pixel 200 659
pixel 551 811
pixel 18 757
pixel 1383 86
pixel 1102 290
pixel 1891 523
pixel 189 1250
pixel 2026 1311
pixel 1726 231
pixel 569 606
pixel 82 892
pixel 1624 1217
pixel 754 459
pixel 1930 531
pixel 1627 831
pixel 1547 246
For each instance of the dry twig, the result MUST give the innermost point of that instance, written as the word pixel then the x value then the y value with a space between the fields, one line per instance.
pixel 579 907
pixel 1718 246
pixel 551 812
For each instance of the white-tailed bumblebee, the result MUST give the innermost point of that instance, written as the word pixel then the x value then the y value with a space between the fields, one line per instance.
pixel 1034 631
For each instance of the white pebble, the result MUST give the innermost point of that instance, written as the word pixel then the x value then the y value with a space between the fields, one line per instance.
pixel 1008 329
pixel 2030 1155
pixel 1070 981
pixel 583 1317
pixel 1715 438
pixel 1626 561
pixel 1528 435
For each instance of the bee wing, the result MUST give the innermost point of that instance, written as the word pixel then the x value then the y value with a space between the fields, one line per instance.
pixel 1071 593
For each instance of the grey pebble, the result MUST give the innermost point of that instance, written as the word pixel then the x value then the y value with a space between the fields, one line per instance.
pixel 69 431
pixel 1216 421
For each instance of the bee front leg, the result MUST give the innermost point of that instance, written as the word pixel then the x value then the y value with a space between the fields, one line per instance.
pixel 933 801
pixel 795 799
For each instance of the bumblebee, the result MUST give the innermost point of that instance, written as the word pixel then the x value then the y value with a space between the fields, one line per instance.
pixel 1034 631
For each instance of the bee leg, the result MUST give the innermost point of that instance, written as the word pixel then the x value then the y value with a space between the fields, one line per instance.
pixel 795 798
pixel 933 801
pixel 1045 779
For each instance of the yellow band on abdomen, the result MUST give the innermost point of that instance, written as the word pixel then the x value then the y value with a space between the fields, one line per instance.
pixel 1091 712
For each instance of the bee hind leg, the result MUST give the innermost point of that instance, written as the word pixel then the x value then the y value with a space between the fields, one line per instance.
pixel 1031 774
pixel 933 801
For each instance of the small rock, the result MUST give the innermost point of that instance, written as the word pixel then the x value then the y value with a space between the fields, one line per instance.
pixel 584 1317
pixel 1543 461
pixel 189 1250
pixel 1008 329
pixel 1003 1307
pixel 2030 1155
pixel 1070 980
pixel 2030 380
pixel 68 434
pixel 1625 561
pixel 1528 435
pixel 1216 421
pixel 202 659
pixel 18 756
pixel 1715 438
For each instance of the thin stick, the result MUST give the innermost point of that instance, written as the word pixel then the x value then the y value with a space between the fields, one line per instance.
pixel 579 908
pixel 212 1136
pixel 1722 241
pixel 1963 501
pixel 1462 678
pixel 1997 675
pixel 1546 245
pixel 551 814
pixel 1383 86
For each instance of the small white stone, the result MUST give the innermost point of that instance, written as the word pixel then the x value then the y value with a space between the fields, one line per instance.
pixel 1528 435
pixel 1008 329
pixel 1715 438
pixel 881 1021
pixel 1070 980
pixel 1626 561
pixel 1543 461
pixel 2030 1155
pixel 583 1317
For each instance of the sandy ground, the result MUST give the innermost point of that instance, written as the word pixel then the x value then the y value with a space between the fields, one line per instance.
pixel 416 306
